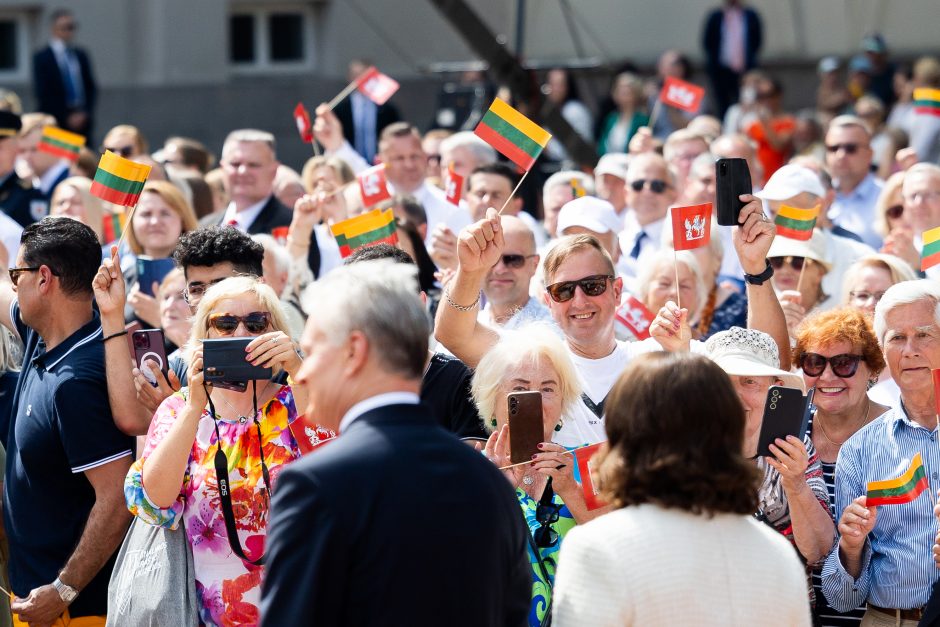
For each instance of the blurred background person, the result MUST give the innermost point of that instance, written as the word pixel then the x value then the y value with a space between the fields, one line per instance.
pixel 619 126
pixel 561 89
pixel 73 198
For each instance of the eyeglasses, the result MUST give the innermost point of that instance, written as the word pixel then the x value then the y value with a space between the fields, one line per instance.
pixel 656 186
pixel 514 261
pixel 197 290
pixel 594 285
pixel 794 262
pixel 16 272
pixel 864 298
pixel 894 211
pixel 546 513
pixel 845 365
pixel 124 151
pixel 434 159
pixel 256 322
pixel 850 149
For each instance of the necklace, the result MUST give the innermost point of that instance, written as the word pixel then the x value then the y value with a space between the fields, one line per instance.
pixel 826 435
pixel 242 418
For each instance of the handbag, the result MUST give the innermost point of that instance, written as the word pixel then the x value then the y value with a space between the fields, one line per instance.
pixel 154 581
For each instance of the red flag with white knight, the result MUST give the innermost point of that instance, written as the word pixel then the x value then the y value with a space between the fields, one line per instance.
pixel 691 226
pixel 636 317
pixel 376 86
pixel 586 470
pixel 453 185
pixel 681 94
pixel 304 126
pixel 372 185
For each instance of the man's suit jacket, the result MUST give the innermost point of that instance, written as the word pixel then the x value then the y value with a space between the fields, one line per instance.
pixel 396 522
pixel 712 35
pixel 385 114
pixel 273 214
pixel 50 90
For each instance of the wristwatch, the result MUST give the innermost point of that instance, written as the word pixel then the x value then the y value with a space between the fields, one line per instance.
pixel 66 592
pixel 760 279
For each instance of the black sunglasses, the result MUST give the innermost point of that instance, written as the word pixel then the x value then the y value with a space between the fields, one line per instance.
pixel 894 211
pixel 16 272
pixel 125 152
pixel 594 285
pixel 795 262
pixel 656 186
pixel 845 365
pixel 546 514
pixel 226 324
pixel 850 149
pixel 514 261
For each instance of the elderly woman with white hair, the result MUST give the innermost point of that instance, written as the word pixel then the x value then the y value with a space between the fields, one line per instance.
pixel 656 285
pixel 534 358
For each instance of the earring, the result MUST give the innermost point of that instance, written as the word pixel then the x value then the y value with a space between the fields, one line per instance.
pixel 872 383
pixel 558 426
pixel 493 422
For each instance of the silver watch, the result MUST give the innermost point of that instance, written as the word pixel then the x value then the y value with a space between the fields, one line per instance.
pixel 66 592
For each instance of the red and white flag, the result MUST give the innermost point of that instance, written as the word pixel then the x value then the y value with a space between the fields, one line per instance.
pixel 691 226
pixel 583 458
pixel 681 95
pixel 636 317
pixel 453 185
pixel 372 185
pixel 376 86
pixel 304 127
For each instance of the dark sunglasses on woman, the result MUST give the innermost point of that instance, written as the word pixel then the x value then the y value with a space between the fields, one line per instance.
pixel 656 186
pixel 844 365
pixel 256 322
pixel 594 285
pixel 794 262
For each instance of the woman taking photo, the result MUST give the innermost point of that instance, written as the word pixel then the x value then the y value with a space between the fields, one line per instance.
pixel 176 480
pixel 682 548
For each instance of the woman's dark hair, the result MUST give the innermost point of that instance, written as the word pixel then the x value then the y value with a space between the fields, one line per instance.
pixel 426 267
pixel 571 85
pixel 211 245
pixel 69 248
pixel 675 430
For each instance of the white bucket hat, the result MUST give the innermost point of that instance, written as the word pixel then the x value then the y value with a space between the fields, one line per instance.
pixel 747 352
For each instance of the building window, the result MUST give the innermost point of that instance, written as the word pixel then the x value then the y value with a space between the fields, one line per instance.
pixel 14 47
pixel 271 38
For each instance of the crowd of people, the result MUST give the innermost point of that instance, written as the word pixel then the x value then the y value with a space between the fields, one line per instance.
pixel 365 474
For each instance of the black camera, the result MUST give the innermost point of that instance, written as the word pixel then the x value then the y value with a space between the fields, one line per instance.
pixel 225 366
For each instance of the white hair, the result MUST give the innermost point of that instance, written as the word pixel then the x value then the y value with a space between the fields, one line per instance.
pixel 483 153
pixel 281 256
pixel 564 178
pixel 703 162
pixel 670 257
pixel 906 293
pixel 379 299
pixel 249 135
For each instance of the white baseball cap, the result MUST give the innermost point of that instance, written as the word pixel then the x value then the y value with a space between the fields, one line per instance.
pixel 614 163
pixel 591 213
pixel 789 181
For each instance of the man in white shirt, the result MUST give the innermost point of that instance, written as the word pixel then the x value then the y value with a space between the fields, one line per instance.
pixel 848 157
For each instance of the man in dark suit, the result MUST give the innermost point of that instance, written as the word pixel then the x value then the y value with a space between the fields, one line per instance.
pixel 18 199
pixel 731 39
pixel 62 77
pixel 396 522
pixel 362 119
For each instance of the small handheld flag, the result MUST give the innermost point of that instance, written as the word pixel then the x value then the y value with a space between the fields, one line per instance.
pixel 453 185
pixel 636 317
pixel 61 143
pixel 588 485
pixel 930 253
pixel 517 137
pixel 796 223
pixel 304 126
pixel 376 86
pixel 368 229
pixel 927 101
pixel 373 186
pixel 119 180
pixel 691 226
pixel 577 190
pixel 904 489
pixel 114 224
pixel 681 94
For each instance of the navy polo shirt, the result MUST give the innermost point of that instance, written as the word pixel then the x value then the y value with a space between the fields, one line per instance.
pixel 60 427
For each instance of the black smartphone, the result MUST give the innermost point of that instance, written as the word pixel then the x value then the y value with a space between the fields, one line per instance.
pixel 149 346
pixel 225 366
pixel 786 412
pixel 526 430
pixel 150 271
pixel 732 178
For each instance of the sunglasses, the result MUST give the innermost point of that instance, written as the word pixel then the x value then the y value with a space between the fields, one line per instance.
pixel 514 261
pixel 794 262
pixel 125 151
pixel 546 513
pixel 894 211
pixel 256 322
pixel 656 186
pixel 563 291
pixel 16 272
pixel 844 365
pixel 850 149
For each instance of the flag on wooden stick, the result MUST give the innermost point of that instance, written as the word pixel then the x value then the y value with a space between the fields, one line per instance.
pixel 368 229
pixel 376 86
pixel 927 101
pixel 930 253
pixel 373 186
pixel 903 489
pixel 453 185
pixel 514 135
pixel 304 126
pixel 119 180
pixel 796 223
pixel 61 143
pixel 691 226
pixel 681 94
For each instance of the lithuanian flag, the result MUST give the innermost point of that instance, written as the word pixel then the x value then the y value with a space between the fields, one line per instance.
pixel 61 143
pixel 368 229
pixel 796 223
pixel 930 253
pixel 927 101
pixel 119 180
pixel 113 226
pixel 904 489
pixel 520 139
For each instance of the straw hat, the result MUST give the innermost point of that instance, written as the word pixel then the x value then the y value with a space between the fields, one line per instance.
pixel 747 352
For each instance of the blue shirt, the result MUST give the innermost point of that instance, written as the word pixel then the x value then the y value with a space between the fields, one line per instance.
pixel 60 427
pixel 855 211
pixel 897 563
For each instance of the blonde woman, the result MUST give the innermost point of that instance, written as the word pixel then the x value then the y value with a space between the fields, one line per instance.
pixel 73 198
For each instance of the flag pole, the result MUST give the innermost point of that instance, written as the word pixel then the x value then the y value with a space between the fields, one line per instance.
pixel 316 148
pixel 346 91
pixel 675 265
pixel 526 463
pixel 128 224
pixel 513 193
pixel 799 282
pixel 654 115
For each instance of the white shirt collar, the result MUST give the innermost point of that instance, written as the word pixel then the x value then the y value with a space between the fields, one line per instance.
pixel 58 46
pixel 374 402
pixel 47 179
pixel 245 217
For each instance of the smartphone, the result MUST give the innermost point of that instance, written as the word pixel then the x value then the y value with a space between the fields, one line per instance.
pixel 150 271
pixel 526 429
pixel 732 178
pixel 225 365
pixel 786 412
pixel 149 346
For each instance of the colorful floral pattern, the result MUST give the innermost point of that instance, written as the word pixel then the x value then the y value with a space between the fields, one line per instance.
pixel 229 589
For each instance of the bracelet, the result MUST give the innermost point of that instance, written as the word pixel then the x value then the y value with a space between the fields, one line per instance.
pixel 760 279
pixel 114 335
pixel 461 307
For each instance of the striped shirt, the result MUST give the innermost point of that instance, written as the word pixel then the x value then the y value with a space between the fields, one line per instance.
pixel 897 563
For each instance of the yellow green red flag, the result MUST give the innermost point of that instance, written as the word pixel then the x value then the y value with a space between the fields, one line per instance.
pixel 927 100
pixel 368 229
pixel 903 489
pixel 520 139
pixel 119 180
pixel 930 253
pixel 113 225
pixel 796 223
pixel 61 143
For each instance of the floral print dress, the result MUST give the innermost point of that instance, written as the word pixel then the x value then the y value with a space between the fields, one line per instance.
pixel 229 589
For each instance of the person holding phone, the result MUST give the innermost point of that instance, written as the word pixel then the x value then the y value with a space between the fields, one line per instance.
pixel 176 479
pixel 533 358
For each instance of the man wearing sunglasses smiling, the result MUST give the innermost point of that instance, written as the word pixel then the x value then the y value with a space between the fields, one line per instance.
pixel 650 190
pixel 848 157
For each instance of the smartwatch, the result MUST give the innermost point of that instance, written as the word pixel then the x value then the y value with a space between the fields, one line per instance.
pixel 66 592
pixel 760 279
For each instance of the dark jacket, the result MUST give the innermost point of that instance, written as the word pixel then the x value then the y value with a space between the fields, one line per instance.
pixel 753 37
pixel 385 114
pixel 50 90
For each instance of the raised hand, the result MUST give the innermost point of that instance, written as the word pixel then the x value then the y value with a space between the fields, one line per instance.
pixel 443 249
pixel 327 129
pixel 856 523
pixel 109 287
pixel 671 328
pixel 480 245
pixel 753 235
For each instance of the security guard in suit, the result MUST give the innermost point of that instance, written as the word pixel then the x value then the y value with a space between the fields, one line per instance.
pixel 18 199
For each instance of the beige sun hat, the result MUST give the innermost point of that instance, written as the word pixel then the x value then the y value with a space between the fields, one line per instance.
pixel 813 248
pixel 747 352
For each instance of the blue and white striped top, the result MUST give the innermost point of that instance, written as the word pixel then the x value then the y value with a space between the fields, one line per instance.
pixel 897 563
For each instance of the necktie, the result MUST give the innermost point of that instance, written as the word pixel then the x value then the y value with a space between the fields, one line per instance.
pixel 637 243
pixel 71 92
